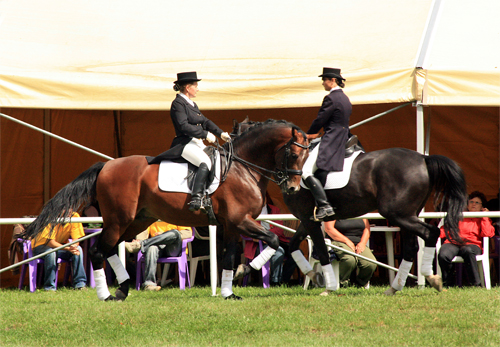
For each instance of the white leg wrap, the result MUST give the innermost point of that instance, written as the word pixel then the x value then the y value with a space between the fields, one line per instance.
pixel 400 279
pixel 301 262
pixel 226 286
pixel 428 257
pixel 259 261
pixel 116 264
pixel 330 279
pixel 100 285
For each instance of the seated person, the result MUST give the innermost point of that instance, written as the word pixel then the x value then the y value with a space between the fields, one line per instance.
pixel 280 273
pixel 472 231
pixel 165 240
pixel 60 235
pixel 352 235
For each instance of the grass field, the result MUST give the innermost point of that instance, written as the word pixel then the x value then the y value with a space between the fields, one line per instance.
pixel 267 317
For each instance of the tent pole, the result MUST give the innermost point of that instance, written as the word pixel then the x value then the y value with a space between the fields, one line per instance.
pixel 420 149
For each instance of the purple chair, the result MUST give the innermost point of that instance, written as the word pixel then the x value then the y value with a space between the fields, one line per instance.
pixel 266 269
pixel 33 267
pixel 181 261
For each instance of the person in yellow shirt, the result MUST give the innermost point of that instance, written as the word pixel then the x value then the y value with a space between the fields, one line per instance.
pixel 59 236
pixel 165 240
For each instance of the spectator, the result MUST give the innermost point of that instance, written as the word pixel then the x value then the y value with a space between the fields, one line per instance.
pixel 165 240
pixel 352 235
pixel 472 231
pixel 61 234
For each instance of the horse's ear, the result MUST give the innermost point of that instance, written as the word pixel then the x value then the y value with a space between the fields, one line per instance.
pixel 247 120
pixel 236 127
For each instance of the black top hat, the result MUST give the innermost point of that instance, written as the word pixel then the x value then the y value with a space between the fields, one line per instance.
pixel 186 77
pixel 331 72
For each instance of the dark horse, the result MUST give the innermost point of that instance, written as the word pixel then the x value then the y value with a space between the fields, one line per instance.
pixel 126 191
pixel 397 182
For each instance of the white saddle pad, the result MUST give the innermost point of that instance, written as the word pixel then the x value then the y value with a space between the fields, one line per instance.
pixel 172 177
pixel 338 179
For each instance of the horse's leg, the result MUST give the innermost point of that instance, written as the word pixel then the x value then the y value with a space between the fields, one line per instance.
pixel 434 280
pixel 97 254
pixel 254 230
pixel 429 234
pixel 314 230
pixel 122 275
pixel 230 244
pixel 410 249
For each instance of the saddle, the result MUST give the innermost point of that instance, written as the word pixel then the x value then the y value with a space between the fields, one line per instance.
pixel 352 145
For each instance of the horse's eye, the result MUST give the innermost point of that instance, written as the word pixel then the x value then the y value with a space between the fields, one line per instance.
pixel 294 156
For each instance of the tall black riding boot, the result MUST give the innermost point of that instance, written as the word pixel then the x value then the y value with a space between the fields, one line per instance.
pixel 324 209
pixel 198 187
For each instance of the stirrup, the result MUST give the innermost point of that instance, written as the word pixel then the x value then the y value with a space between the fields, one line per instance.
pixel 322 213
pixel 195 205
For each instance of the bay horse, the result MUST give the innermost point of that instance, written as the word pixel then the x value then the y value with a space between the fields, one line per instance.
pixel 397 182
pixel 127 194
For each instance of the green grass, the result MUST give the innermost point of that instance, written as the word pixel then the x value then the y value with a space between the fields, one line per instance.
pixel 266 317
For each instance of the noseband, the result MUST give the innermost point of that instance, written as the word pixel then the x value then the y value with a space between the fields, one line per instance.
pixel 282 174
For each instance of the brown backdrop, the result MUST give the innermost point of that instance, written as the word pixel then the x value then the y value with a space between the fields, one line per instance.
pixel 468 135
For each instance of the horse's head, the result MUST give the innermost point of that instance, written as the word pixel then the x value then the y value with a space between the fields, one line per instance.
pixel 290 150
pixel 290 158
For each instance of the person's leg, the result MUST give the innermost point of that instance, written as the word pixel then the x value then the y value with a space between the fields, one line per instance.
pixel 50 267
pixel 79 276
pixel 195 155
pixel 173 243
pixel 446 254
pixel 469 252
pixel 347 262
pixel 365 268
pixel 151 261
pixel 277 265
pixel 324 210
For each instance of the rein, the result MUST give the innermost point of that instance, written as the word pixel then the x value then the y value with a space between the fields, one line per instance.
pixel 282 174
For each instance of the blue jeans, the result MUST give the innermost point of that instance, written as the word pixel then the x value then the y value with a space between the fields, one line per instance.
pixel 168 244
pixel 50 266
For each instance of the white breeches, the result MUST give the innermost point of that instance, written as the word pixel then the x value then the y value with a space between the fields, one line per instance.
pixel 193 152
pixel 310 165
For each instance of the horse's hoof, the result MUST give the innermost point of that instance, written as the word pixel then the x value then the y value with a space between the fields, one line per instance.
pixel 233 297
pixel 326 293
pixel 390 292
pixel 241 272
pixel 313 276
pixel 112 298
pixel 436 282
pixel 121 296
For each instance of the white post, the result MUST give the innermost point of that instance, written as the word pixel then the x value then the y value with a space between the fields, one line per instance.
pixel 212 232
pixel 420 149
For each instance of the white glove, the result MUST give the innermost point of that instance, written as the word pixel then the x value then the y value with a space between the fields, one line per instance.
pixel 210 137
pixel 225 136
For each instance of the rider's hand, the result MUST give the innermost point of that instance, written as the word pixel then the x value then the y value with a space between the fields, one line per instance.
pixel 225 136
pixel 312 136
pixel 210 137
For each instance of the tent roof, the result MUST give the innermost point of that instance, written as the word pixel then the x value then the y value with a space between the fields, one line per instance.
pixel 260 54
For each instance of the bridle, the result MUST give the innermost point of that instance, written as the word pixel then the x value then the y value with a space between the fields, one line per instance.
pixel 281 174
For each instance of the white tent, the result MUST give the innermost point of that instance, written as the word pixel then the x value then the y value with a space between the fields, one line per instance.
pixel 260 54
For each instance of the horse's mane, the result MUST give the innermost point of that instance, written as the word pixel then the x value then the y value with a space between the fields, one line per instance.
pixel 252 127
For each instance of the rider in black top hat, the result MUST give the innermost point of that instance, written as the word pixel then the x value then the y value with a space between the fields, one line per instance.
pixel 333 117
pixel 191 128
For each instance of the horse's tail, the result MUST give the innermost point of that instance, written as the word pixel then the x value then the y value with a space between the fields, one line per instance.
pixel 448 180
pixel 74 196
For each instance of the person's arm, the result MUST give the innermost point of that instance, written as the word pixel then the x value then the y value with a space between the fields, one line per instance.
pixel 487 228
pixel 361 246
pixel 337 235
pixel 73 248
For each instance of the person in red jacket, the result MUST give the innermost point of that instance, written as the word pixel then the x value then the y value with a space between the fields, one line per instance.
pixel 472 231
